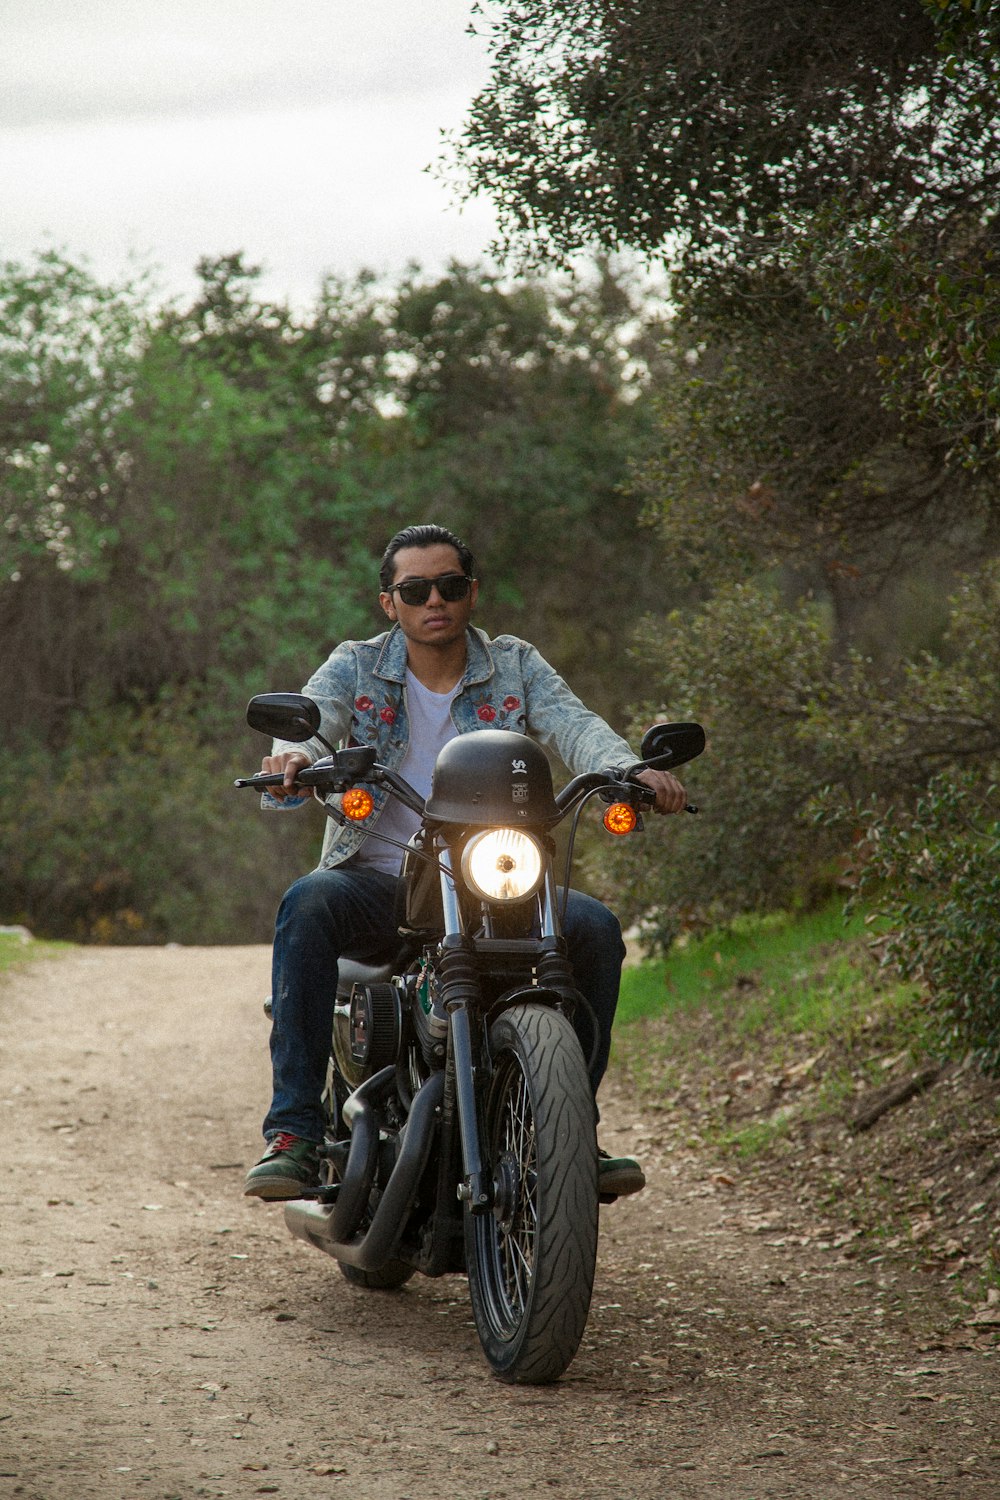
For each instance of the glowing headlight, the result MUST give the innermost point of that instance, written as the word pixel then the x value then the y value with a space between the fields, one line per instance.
pixel 502 865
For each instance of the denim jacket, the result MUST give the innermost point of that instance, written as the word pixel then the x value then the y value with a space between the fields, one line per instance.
pixel 360 691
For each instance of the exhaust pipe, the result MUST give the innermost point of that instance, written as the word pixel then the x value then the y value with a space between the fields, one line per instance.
pixel 315 1222
pixel 362 1158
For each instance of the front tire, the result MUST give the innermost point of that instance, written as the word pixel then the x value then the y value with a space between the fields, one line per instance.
pixel 531 1259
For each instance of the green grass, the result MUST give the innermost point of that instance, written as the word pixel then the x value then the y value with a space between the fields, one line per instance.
pixel 800 992
pixel 777 989
pixel 799 973
pixel 755 1047
pixel 756 1138
pixel 14 950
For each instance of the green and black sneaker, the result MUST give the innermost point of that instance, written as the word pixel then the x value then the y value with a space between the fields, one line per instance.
pixel 288 1168
pixel 618 1176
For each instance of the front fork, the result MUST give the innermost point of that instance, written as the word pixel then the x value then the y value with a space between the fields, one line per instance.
pixel 475 1188
pixel 459 989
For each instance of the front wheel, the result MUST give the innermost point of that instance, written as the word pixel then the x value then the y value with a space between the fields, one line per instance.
pixel 531 1259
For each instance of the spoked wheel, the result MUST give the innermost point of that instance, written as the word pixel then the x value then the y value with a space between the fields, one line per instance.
pixel 531 1259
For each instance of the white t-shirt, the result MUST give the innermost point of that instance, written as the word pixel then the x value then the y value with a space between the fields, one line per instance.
pixel 431 728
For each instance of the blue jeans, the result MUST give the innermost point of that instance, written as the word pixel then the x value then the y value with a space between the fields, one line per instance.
pixel 350 911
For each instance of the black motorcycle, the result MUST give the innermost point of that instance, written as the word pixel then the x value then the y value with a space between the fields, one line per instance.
pixel 461 1121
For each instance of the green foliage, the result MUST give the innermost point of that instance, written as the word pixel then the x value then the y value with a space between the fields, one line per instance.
pixel 513 414
pixel 759 678
pixel 934 871
pixel 154 506
pixel 788 715
pixel 776 956
pixel 775 448
pixel 194 503
pixel 928 305
pixel 823 181
pixel 131 830
pixel 16 950
pixel 68 349
pixel 698 131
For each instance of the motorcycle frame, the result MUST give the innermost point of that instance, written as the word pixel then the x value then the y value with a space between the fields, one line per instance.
pixel 446 1106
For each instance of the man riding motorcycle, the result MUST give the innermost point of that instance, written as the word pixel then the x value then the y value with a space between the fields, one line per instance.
pixel 407 692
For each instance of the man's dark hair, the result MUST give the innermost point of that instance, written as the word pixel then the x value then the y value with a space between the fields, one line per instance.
pixel 423 536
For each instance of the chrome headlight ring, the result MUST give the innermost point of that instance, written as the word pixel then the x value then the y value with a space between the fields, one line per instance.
pixel 503 864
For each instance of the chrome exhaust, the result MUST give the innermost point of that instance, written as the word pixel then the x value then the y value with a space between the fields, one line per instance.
pixel 315 1223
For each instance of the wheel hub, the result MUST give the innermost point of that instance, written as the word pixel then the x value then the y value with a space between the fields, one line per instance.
pixel 506 1191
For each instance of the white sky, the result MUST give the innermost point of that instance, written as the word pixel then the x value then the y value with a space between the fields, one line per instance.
pixel 295 130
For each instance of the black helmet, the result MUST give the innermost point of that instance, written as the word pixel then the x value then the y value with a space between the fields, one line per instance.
pixel 492 776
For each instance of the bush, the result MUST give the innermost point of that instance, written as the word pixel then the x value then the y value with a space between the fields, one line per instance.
pixel 131 831
pixel 760 680
pixel 793 724
pixel 934 875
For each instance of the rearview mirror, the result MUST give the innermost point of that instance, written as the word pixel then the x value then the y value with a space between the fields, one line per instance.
pixel 284 716
pixel 665 746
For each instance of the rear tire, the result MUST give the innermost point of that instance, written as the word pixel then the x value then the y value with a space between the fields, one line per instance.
pixel 531 1260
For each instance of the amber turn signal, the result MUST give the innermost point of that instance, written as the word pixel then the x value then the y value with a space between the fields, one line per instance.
pixel 357 803
pixel 620 818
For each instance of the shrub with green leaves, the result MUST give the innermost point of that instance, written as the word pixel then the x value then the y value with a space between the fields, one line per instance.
pixel 759 679
pixel 131 832
pixel 934 874
pixel 791 722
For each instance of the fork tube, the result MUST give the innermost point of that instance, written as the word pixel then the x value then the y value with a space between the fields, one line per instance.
pixel 449 895
pixel 550 906
pixel 458 982
pixel 473 1188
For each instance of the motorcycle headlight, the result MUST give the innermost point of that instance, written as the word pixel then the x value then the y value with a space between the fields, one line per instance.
pixel 503 865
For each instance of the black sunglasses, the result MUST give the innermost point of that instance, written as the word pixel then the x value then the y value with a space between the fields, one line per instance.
pixel 451 587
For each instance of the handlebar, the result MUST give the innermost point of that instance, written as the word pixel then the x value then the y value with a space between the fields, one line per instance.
pixel 647 798
pixel 609 785
pixel 308 776
pixel 332 778
pixel 338 773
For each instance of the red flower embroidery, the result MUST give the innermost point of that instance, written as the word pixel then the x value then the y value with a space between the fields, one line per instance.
pixel 511 703
pixel 487 713
pixel 363 704
pixel 388 716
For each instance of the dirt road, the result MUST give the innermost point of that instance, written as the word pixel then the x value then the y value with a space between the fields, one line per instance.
pixel 164 1337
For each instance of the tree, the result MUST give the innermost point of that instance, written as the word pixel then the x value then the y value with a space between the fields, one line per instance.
pixel 512 413
pixel 697 131
pixel 195 501
pixel 822 181
pixel 806 749
pixel 792 163
pixel 778 452
pixel 68 354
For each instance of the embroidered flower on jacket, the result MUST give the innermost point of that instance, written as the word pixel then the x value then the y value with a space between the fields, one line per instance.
pixel 367 714
pixel 510 714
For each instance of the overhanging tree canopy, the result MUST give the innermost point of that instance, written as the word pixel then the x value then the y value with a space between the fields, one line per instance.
pixel 695 131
